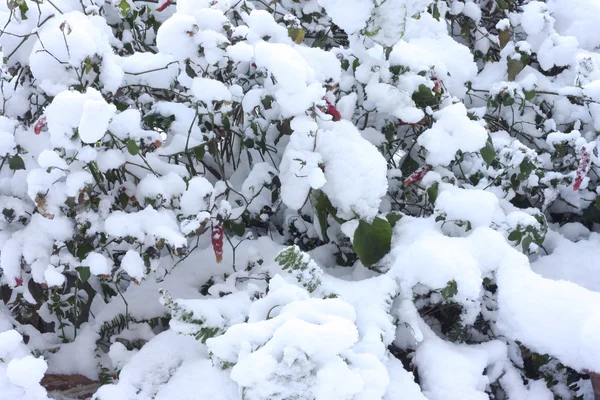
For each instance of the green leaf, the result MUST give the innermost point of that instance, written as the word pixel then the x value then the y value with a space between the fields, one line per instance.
pixel 372 241
pixel 514 67
pixel 525 168
pixel 432 192
pixel 296 34
pixel 436 12
pixel 424 97
pixel 450 290
pixel 529 94
pixel 36 290
pixel 321 205
pixel 487 152
pixel 23 7
pixel 199 152
pixel 16 163
pixel 238 228
pixel 267 102
pixel 83 250
pixel 89 65
pixel 525 243
pixel 190 71
pixel 515 236
pixel 132 147
pixel 502 4
pixel 393 218
pixel 124 7
pixel 249 143
pixel 123 200
pixel 504 38
pixel 5 293
pixel 84 273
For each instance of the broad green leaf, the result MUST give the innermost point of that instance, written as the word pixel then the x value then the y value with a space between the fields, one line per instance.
pixel 132 147
pixel 321 205
pixel 529 94
pixel 296 34
pixel 16 163
pixel 84 273
pixel 124 7
pixel 488 153
pixel 123 200
pixel 514 67
pixel 238 228
pixel 515 235
pixel 199 152
pixel 393 218
pixel 372 241
pixel 424 97
pixel 432 192
pixel 504 37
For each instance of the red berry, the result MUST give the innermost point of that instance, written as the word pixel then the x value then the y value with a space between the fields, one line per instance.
pixel 39 125
pixel 164 5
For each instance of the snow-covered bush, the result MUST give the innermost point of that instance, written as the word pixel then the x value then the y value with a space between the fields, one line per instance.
pixel 300 199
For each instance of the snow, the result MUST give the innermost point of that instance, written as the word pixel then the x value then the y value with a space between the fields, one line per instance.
pixel 20 372
pixel 356 181
pixel 524 297
pixel 196 196
pixel 98 264
pixel 53 276
pixel 133 264
pixel 350 17
pixel 209 90
pixel 576 18
pixel 478 207
pixel 94 120
pixel 238 123
pixel 26 371
pixel 110 159
pixel 159 224
pixel 452 131
pixel 574 262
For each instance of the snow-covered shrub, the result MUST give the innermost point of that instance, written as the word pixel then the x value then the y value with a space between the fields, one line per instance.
pixel 300 199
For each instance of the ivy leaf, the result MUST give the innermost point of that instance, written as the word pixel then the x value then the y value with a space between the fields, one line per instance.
pixel 84 273
pixel 132 147
pixel 16 163
pixel 372 241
